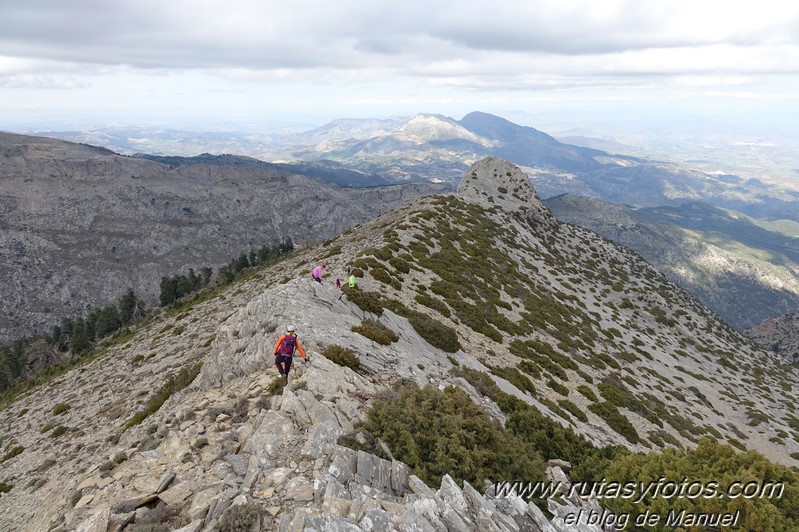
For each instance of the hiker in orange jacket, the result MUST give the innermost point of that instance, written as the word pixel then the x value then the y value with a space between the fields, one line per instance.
pixel 284 351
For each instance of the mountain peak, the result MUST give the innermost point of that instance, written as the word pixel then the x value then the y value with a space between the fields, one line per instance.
pixel 432 127
pixel 496 182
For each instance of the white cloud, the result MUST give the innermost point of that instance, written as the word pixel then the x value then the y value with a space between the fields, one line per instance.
pixel 106 51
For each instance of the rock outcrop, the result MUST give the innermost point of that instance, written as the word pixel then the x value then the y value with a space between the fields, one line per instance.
pixel 493 182
pixel 780 335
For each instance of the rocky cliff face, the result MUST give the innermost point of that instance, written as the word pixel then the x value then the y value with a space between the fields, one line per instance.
pixel 525 295
pixel 80 225
pixel 780 335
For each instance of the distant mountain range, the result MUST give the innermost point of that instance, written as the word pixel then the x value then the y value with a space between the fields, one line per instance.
pixel 744 272
pixel 431 147
pixel 79 224
pixel 730 239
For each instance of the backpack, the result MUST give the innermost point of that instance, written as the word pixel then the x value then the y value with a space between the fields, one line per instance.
pixel 288 345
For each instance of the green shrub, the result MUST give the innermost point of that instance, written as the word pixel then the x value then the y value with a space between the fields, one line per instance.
pixel 481 381
pixel 276 387
pixel 573 409
pixel 547 436
pixel 615 420
pixel 711 461
pixel 239 518
pixel 60 408
pixel 59 431
pixel 558 387
pixel 342 356
pixel 401 265
pixel 439 433
pixel 6 486
pixel 434 332
pixel 531 368
pixel 174 384
pixel 433 303
pixel 515 377
pixel 365 300
pixel 588 393
pixel 381 274
pixel 375 330
pixel 15 451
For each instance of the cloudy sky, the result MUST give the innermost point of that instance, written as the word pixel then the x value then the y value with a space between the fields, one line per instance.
pixel 205 62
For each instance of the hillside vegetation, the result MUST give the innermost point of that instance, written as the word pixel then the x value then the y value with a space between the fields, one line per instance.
pixel 569 347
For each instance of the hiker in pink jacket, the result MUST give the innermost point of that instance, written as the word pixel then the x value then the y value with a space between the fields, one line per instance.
pixel 317 273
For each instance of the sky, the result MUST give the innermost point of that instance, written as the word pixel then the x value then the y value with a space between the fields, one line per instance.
pixel 259 63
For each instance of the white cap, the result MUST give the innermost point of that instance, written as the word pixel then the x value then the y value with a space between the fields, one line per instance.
pixel 290 328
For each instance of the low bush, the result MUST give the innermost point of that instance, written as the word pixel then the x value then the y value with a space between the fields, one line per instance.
pixel 573 409
pixel 434 332
pixel 558 387
pixel 587 392
pixel 444 432
pixel 515 377
pixel 239 518
pixel 374 330
pixel 342 356
pixel 14 451
pixel 776 510
pixel 433 303
pixel 61 408
pixel 365 300
pixel 276 387
pixel 174 384
pixel 615 420
pixel 59 431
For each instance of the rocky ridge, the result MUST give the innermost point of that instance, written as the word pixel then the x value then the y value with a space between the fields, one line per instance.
pixel 229 441
pixel 225 441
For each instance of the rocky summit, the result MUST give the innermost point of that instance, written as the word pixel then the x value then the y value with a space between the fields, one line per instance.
pixel 184 422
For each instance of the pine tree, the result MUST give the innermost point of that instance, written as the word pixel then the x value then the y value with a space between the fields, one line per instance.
pixel 194 280
pixel 66 334
pixel 79 342
pixel 206 273
pixel 91 328
pixel 5 368
pixel 18 358
pixel 107 321
pixel 127 306
pixel 286 247
pixel 168 291
pixel 55 335
pixel 241 263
